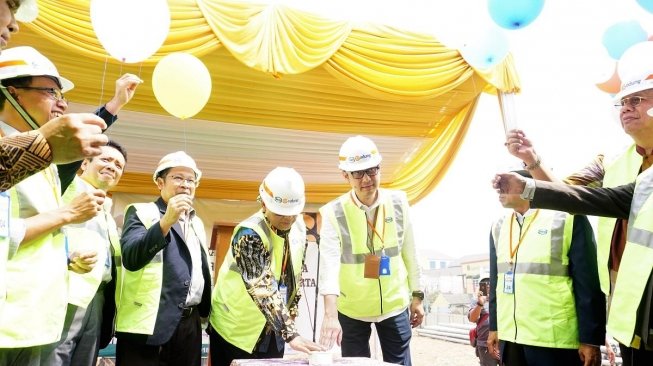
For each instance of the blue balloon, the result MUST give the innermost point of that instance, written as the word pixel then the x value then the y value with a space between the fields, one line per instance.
pixel 487 49
pixel 646 4
pixel 620 36
pixel 514 14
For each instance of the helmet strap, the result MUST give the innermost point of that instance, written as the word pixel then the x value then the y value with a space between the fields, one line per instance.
pixel 23 113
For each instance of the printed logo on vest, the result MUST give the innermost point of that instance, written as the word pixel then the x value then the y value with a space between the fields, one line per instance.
pixel 542 231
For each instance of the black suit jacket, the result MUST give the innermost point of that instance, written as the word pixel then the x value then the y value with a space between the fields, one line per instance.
pixel 601 201
pixel 139 245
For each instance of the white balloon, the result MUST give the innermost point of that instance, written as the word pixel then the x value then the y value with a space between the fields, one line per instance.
pixel 635 63
pixel 130 30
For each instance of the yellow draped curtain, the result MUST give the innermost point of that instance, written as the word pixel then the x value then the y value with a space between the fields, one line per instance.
pixel 383 62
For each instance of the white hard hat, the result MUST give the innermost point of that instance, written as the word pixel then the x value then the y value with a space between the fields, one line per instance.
pixel 282 192
pixel 26 61
pixel 358 153
pixel 27 11
pixel 177 159
pixel 634 85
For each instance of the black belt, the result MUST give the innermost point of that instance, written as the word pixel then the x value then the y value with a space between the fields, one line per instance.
pixel 186 312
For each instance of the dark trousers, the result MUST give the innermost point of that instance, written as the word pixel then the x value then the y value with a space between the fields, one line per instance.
pixel 394 335
pixel 515 354
pixel 223 352
pixel 183 349
pixel 635 357
pixel 484 357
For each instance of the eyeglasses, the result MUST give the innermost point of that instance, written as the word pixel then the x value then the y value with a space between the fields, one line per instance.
pixel 361 173
pixel 54 93
pixel 179 180
pixel 633 101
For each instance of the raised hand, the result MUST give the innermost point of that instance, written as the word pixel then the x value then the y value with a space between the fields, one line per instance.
pixel 74 136
pixel 125 89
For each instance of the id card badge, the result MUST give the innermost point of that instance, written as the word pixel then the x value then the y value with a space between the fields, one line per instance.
pixel 509 282
pixel 5 211
pixel 372 266
pixel 384 269
pixel 283 290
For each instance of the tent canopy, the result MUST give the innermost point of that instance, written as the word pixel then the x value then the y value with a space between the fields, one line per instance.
pixel 288 87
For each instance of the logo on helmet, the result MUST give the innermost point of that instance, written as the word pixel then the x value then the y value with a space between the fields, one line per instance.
pixel 286 201
pixel 356 158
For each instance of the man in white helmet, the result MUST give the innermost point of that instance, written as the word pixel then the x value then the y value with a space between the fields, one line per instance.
pixel 166 283
pixel 35 236
pixel 368 265
pixel 635 104
pixel 256 301
pixel 65 139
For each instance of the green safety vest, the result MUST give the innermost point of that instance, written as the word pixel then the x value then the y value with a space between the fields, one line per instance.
pixel 140 292
pixel 622 170
pixel 91 236
pixel 234 315
pixel 541 312
pixel 636 265
pixel 37 275
pixel 360 296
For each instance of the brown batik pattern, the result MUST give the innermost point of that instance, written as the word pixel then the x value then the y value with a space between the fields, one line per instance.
pixel 254 262
pixel 22 155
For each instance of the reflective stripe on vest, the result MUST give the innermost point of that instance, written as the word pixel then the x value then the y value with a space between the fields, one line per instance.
pixel 542 311
pixel 622 170
pixel 7 250
pixel 234 315
pixel 87 236
pixel 636 265
pixel 387 293
pixel 141 290
pixel 37 275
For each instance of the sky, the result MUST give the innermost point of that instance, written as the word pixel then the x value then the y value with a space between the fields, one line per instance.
pixel 559 58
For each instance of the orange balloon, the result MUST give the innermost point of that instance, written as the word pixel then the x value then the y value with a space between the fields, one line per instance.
pixel 612 85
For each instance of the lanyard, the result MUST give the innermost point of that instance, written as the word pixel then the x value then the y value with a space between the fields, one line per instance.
pixel 521 237
pixel 372 225
pixel 286 254
pixel 48 173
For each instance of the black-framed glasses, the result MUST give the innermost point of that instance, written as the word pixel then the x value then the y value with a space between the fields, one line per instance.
pixel 179 180
pixel 633 101
pixel 54 93
pixel 370 172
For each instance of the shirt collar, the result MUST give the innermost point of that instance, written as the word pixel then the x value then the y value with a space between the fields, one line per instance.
pixel 520 218
pixel 362 206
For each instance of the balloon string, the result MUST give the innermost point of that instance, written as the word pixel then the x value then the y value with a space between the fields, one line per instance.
pixel 185 137
pixel 104 75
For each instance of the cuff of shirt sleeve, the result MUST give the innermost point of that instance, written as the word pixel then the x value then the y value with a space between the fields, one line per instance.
pixel 529 190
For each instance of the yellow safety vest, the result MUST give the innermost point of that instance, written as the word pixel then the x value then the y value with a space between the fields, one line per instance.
pixel 5 251
pixel 622 170
pixel 91 235
pixel 234 315
pixel 37 275
pixel 541 311
pixel 636 265
pixel 138 304
pixel 360 296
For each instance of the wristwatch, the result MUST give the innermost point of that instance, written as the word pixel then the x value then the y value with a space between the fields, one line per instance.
pixel 418 294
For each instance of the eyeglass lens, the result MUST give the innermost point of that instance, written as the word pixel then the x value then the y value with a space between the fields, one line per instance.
pixel 370 172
